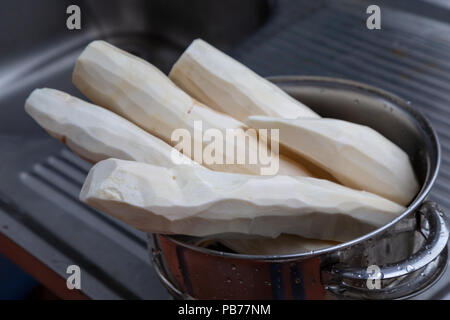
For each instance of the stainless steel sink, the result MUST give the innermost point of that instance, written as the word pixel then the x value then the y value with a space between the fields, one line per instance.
pixel 40 180
pixel 38 49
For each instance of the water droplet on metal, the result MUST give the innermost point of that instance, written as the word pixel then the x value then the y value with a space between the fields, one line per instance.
pixel 267 283
pixel 228 280
pixel 233 267
pixel 409 268
pixel 298 280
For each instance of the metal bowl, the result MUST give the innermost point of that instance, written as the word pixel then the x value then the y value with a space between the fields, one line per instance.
pixel 405 256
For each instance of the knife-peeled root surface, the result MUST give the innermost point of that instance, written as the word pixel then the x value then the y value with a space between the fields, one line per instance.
pixel 226 85
pixel 195 201
pixel 138 91
pixel 356 155
pixel 95 133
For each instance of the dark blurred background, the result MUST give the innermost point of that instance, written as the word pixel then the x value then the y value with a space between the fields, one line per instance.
pixel 43 227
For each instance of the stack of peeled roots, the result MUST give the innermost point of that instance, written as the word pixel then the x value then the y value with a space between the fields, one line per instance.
pixel 340 180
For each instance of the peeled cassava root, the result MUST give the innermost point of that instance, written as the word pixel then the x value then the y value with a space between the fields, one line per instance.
pixel 224 84
pixel 162 197
pixel 192 200
pixel 136 90
pixel 357 156
pixel 95 133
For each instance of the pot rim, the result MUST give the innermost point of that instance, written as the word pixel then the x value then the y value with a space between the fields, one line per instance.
pixel 418 200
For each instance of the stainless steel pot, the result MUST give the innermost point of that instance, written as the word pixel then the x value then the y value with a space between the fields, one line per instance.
pixel 409 254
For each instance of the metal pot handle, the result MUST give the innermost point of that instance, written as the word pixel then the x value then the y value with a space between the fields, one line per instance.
pixel 433 246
